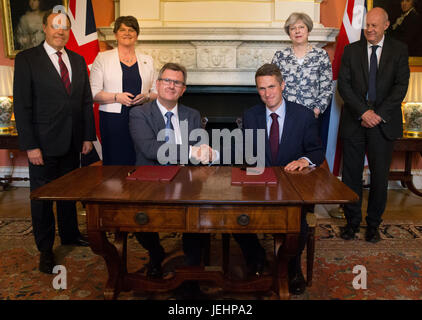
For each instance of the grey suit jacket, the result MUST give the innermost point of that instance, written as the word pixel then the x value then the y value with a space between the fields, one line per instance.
pixel 145 123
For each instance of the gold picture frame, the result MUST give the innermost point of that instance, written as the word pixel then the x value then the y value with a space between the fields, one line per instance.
pixel 21 23
pixel 391 6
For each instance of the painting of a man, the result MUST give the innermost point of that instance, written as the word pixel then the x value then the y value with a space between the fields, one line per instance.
pixel 405 22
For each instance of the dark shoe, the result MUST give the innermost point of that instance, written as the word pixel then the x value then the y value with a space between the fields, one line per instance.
pixel 372 234
pixel 189 290
pixel 154 271
pixel 257 269
pixel 348 232
pixel 297 283
pixel 47 262
pixel 80 241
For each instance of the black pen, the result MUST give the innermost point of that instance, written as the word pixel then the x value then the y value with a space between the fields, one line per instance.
pixel 130 172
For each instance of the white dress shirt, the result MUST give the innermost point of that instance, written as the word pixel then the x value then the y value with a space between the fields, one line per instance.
pixel 378 52
pixel 174 120
pixel 51 52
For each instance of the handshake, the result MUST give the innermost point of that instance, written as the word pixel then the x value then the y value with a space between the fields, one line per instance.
pixel 204 154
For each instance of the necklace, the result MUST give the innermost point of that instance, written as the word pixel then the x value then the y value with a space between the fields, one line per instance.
pixel 127 60
pixel 308 48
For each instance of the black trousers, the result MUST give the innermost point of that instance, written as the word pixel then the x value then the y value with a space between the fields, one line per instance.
pixel 254 252
pixel 193 244
pixel 43 221
pixel 379 151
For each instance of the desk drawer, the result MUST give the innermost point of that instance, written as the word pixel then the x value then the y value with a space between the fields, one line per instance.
pixel 143 218
pixel 243 219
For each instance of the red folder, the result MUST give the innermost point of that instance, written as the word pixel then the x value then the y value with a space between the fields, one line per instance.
pixel 240 176
pixel 154 173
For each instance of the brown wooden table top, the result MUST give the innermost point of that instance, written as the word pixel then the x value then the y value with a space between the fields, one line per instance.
pixel 195 185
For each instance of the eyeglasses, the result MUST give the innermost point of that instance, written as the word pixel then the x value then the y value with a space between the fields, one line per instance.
pixel 176 83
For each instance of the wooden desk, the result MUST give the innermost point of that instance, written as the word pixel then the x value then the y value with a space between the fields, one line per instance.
pixel 409 146
pixel 9 141
pixel 199 199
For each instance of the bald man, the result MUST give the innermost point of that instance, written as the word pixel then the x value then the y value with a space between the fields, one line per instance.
pixel 373 80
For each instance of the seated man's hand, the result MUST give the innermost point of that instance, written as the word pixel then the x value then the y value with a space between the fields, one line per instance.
pixel 204 153
pixel 297 165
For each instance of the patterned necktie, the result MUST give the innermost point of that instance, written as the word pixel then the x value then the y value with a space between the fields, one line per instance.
pixel 64 73
pixel 274 138
pixel 169 125
pixel 372 83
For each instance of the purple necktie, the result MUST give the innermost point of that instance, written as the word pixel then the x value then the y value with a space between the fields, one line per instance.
pixel 274 139
pixel 64 73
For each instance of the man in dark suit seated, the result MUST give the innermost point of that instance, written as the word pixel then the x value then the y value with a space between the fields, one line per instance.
pixel 55 122
pixel 166 123
pixel 373 80
pixel 292 141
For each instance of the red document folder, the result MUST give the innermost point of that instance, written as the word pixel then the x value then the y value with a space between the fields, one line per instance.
pixel 154 173
pixel 240 177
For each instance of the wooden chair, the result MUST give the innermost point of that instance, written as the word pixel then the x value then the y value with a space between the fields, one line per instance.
pixel 310 243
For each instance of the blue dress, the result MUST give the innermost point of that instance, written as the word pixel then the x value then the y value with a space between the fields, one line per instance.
pixel 117 144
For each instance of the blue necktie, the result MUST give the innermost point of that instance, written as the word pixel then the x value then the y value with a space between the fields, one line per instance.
pixel 169 127
pixel 372 83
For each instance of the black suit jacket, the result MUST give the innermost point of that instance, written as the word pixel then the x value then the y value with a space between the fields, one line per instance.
pixel 47 117
pixel 146 121
pixel 299 138
pixel 392 81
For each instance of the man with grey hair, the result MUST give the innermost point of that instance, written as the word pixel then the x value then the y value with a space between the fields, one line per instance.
pixel 373 80
pixel 166 118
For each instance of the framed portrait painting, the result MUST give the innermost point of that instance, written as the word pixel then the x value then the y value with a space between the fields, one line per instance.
pixel 405 24
pixel 22 23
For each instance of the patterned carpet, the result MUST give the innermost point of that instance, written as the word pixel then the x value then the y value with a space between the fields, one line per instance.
pixel 394 266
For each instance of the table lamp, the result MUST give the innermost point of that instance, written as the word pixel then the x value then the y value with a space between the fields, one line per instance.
pixel 412 107
pixel 6 102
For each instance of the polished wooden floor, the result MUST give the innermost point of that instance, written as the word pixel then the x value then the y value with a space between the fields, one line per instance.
pixel 402 205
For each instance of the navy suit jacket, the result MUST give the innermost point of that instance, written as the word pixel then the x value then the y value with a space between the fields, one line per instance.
pixel 299 138
pixel 146 121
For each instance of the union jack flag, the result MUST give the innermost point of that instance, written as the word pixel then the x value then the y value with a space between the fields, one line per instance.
pixel 350 31
pixel 83 39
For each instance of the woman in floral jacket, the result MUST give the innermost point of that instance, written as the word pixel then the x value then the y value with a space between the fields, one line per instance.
pixel 306 69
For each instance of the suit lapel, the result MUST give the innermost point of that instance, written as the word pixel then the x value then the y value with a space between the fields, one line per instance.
pixel 76 72
pixel 288 129
pixel 157 118
pixel 385 55
pixel 261 116
pixel 364 61
pixel 184 115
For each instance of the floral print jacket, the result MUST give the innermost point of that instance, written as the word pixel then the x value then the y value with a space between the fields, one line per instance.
pixel 309 84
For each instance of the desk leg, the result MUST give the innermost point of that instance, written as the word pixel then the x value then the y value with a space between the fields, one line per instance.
pixel 408 174
pixel 286 246
pixel 115 260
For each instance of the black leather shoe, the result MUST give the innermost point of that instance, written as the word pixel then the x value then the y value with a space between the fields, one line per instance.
pixel 372 234
pixel 80 241
pixel 190 290
pixel 257 269
pixel 348 232
pixel 297 283
pixel 154 271
pixel 47 262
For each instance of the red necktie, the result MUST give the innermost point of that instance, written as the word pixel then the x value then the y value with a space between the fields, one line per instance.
pixel 274 139
pixel 64 73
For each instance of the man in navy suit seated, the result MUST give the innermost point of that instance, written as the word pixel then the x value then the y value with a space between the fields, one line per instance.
pixel 291 140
